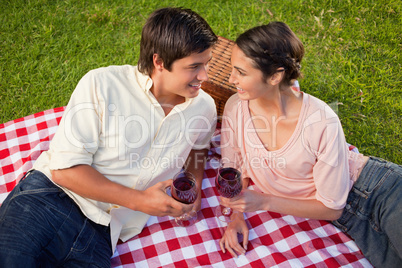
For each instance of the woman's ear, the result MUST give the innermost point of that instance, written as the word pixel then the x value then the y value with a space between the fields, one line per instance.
pixel 158 62
pixel 277 77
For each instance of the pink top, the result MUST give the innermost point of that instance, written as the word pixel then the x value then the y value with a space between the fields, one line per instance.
pixel 315 163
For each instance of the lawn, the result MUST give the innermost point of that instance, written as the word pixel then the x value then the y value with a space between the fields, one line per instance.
pixel 353 53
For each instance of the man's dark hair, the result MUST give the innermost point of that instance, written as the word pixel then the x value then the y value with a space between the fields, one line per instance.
pixel 173 33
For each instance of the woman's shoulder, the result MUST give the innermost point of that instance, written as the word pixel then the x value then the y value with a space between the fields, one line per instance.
pixel 313 101
pixel 318 116
pixel 232 106
pixel 233 102
pixel 315 104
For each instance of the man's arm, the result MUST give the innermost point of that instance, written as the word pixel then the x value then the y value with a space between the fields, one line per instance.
pixel 88 182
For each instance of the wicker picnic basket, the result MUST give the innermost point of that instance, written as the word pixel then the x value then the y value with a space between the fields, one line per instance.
pixel 218 85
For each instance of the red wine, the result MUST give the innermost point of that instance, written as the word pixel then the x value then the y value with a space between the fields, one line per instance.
pixel 184 190
pixel 228 182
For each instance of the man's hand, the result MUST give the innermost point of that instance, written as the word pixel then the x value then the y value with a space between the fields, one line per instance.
pixel 157 202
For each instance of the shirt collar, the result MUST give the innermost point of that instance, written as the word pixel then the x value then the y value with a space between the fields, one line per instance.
pixel 146 83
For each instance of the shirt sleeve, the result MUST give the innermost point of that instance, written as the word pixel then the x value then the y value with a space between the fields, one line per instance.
pixel 77 137
pixel 331 171
pixel 206 125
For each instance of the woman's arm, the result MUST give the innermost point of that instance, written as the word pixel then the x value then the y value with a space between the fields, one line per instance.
pixel 250 200
pixel 88 182
pixel 230 240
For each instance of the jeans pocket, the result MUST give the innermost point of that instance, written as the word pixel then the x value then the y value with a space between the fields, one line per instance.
pixel 84 238
pixel 88 248
pixel 34 182
pixel 350 210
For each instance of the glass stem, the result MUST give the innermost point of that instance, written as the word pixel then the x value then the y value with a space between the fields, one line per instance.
pixel 226 211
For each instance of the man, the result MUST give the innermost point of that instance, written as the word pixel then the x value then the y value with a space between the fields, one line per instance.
pixel 126 131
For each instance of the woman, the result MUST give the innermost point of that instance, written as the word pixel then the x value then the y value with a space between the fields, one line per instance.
pixel 293 148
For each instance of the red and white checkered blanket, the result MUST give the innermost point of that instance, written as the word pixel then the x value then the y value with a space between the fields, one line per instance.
pixel 275 240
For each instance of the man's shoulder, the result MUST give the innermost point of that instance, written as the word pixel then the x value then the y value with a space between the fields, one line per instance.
pixel 112 70
pixel 205 96
pixel 204 102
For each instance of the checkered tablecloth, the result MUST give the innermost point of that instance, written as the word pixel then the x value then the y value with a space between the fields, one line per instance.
pixel 275 240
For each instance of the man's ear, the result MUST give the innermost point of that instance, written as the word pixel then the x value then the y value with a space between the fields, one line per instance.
pixel 158 62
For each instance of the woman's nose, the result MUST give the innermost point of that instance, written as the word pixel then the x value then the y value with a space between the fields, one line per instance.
pixel 232 77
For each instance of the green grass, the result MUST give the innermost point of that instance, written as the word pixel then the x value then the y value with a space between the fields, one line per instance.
pixel 353 53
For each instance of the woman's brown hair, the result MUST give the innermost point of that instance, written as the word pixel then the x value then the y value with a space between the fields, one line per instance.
pixel 271 47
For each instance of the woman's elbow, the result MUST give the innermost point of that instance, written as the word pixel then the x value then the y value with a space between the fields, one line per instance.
pixel 335 214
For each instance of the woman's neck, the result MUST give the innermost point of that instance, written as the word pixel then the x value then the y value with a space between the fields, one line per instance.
pixel 279 102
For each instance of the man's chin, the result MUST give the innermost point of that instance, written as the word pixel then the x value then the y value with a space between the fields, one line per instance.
pixel 193 93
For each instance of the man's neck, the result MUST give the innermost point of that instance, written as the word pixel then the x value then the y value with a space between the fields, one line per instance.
pixel 167 101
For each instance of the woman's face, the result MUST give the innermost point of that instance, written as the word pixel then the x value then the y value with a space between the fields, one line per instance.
pixel 248 80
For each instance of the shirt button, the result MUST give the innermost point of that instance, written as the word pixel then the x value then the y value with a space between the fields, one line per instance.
pixel 348 206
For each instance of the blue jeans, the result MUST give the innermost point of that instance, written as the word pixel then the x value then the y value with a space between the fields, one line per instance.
pixel 373 213
pixel 40 226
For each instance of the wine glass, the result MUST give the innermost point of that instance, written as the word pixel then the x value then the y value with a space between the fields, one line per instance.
pixel 184 190
pixel 228 183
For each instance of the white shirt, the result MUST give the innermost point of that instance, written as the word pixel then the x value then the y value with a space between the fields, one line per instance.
pixel 114 123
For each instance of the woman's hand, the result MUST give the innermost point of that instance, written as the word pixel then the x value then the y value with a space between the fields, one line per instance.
pixel 246 201
pixel 230 241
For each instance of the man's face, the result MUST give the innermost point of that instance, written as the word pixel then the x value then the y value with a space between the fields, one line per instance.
pixel 186 75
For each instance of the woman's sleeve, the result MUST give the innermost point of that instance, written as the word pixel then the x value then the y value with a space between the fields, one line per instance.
pixel 230 131
pixel 331 171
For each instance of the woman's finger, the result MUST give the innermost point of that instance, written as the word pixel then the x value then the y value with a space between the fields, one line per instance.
pixel 235 245
pixel 222 244
pixel 231 251
pixel 245 239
